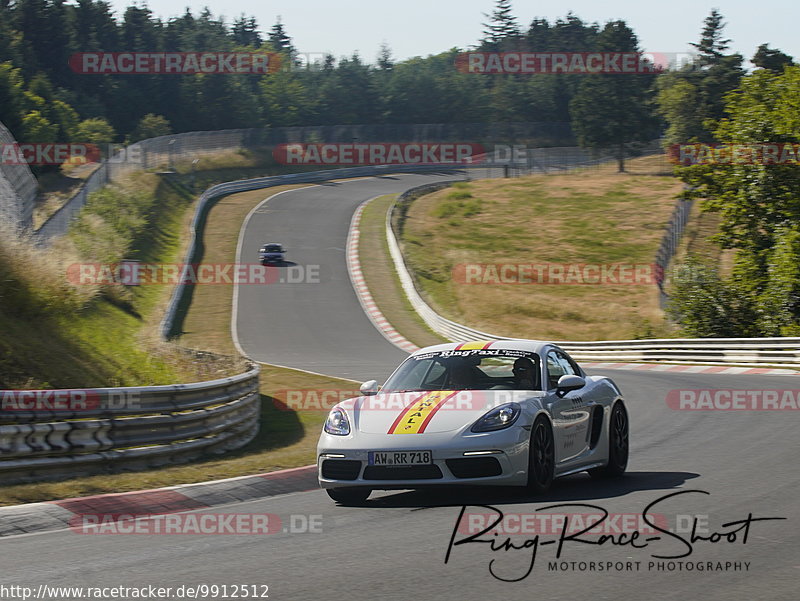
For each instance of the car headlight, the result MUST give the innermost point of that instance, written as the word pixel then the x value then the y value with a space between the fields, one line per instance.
pixel 337 423
pixel 498 418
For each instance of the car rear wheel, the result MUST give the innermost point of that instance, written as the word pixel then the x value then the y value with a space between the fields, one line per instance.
pixel 541 456
pixel 618 444
pixel 348 496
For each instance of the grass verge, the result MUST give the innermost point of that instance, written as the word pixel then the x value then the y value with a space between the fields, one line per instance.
pixel 57 333
pixel 207 319
pixel 593 217
pixel 286 439
pixel 381 276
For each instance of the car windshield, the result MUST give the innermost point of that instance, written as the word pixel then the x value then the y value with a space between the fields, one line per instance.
pixel 272 248
pixel 487 369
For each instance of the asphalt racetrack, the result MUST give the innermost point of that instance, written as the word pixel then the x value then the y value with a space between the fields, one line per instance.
pixel 395 546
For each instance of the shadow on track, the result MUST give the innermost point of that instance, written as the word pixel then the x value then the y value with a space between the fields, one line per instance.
pixel 281 263
pixel 579 487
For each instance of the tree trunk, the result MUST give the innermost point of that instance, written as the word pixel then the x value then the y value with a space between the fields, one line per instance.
pixel 621 159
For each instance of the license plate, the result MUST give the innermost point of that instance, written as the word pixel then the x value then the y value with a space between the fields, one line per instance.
pixel 400 457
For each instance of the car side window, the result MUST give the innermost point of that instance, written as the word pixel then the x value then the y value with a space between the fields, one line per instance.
pixel 555 369
pixel 558 365
pixel 435 376
pixel 569 365
pixel 416 373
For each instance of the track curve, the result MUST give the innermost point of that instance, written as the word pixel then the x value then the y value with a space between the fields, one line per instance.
pixel 394 548
pixel 316 324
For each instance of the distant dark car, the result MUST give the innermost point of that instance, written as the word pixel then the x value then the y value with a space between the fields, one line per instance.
pixel 271 253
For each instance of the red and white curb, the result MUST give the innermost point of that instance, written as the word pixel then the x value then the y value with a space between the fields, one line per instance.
pixel 58 515
pixel 691 369
pixel 385 328
pixel 362 292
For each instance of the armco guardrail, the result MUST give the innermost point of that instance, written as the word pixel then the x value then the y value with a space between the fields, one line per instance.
pixel 17 188
pixel 167 323
pixel 47 433
pixel 169 149
pixel 483 169
pixel 733 352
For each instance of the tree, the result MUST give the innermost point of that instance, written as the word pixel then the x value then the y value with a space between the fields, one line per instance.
pixel 612 111
pixel 11 98
pixel 771 58
pixel 707 306
pixel 151 126
pixel 286 100
pixel 759 204
pixel 95 131
pixel 245 32
pixel 698 102
pixel 280 40
pixel 678 102
pixel 385 61
pixel 711 46
pixel 502 31
pixel 572 34
pixel 538 37
pixel 65 118
pixel 37 129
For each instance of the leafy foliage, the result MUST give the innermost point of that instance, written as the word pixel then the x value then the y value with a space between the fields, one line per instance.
pixel 759 205
pixel 613 111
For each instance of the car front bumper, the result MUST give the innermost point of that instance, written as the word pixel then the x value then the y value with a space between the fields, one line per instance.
pixel 508 448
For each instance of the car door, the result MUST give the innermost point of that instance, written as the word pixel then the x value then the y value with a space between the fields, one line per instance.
pixel 570 414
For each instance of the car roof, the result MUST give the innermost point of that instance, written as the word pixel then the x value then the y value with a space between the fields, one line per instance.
pixel 535 346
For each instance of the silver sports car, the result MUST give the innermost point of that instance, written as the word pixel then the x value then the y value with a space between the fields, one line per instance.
pixel 512 412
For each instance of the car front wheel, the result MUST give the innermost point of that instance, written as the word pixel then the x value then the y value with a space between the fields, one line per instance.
pixel 348 496
pixel 541 456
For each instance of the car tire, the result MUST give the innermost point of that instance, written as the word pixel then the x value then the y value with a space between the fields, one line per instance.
pixel 348 496
pixel 541 456
pixel 618 444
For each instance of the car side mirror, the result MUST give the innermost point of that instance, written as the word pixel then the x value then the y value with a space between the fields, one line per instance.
pixel 568 383
pixel 369 388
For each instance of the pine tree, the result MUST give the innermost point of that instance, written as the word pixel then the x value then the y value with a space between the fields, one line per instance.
pixel 280 40
pixel 385 61
pixel 612 111
pixel 502 31
pixel 245 32
pixel 771 58
pixel 539 34
pixel 711 46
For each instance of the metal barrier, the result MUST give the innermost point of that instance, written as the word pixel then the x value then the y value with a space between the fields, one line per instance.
pixel 733 352
pixel 167 150
pixel 670 242
pixel 159 425
pixel 17 187
pixel 267 182
pixel 105 429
